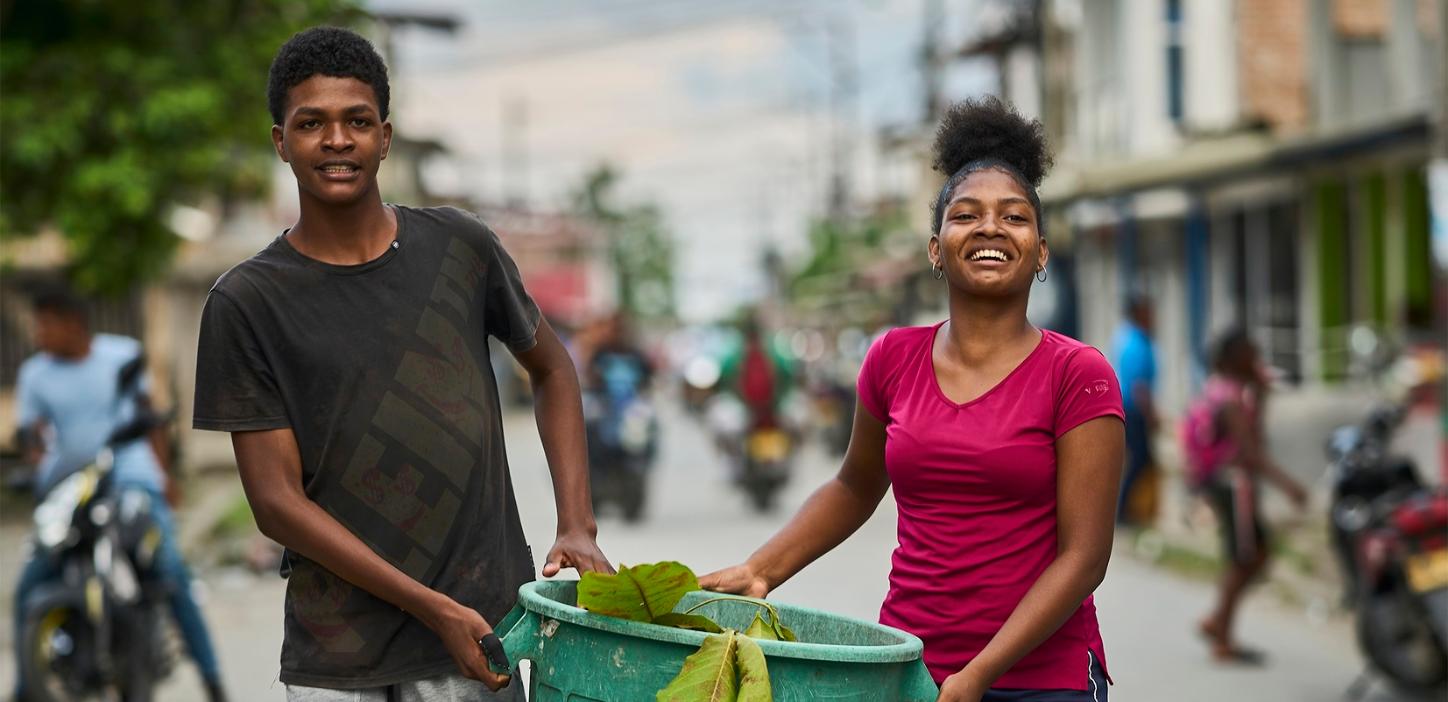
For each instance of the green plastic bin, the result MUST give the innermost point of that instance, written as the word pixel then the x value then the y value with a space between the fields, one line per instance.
pixel 579 656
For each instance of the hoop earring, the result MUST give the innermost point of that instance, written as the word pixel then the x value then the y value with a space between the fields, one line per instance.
pixel 1041 274
pixel 939 271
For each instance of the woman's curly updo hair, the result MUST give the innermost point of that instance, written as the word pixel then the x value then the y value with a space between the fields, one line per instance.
pixel 988 133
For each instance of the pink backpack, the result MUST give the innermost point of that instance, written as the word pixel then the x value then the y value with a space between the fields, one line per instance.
pixel 1205 444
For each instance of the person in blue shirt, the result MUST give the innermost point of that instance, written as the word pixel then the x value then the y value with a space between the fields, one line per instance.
pixel 1134 356
pixel 67 409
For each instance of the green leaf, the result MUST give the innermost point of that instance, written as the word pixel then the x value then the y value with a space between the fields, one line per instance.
pixel 642 593
pixel 694 622
pixel 753 671
pixel 760 631
pixel 709 675
pixel 781 632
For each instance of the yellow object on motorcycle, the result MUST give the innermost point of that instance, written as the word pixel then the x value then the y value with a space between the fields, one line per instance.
pixel 94 603
pixel 768 445
pixel 1427 571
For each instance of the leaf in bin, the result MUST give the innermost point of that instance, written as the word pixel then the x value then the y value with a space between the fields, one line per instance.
pixel 693 622
pixel 709 674
pixel 753 672
pixel 760 631
pixel 640 593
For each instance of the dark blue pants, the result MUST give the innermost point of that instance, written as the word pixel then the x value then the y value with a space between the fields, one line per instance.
pixel 1138 457
pixel 37 571
pixel 1095 690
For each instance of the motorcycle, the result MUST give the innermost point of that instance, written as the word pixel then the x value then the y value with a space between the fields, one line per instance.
pixel 1390 534
pixel 622 431
pixel 766 464
pixel 96 631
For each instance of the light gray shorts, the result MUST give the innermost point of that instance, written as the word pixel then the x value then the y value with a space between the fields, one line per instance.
pixel 444 688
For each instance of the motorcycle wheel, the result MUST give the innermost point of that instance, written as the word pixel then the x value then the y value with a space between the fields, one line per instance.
pixel 55 644
pixel 761 495
pixel 632 500
pixel 1399 642
pixel 140 664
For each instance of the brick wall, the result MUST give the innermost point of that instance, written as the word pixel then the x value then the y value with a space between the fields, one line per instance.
pixel 1361 19
pixel 1272 51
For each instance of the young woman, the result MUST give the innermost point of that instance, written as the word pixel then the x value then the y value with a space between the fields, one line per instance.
pixel 1003 443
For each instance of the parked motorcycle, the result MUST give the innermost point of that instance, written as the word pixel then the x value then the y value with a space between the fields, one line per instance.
pixel 1391 537
pixel 622 430
pixel 96 632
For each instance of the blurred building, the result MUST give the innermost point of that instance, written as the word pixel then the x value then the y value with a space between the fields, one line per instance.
pixel 564 261
pixel 1242 163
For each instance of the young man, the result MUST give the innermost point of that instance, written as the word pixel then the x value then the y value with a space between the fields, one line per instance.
pixel 349 361
pixel 68 408
pixel 1135 362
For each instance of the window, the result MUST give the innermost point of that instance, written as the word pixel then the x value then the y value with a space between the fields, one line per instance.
pixel 1175 69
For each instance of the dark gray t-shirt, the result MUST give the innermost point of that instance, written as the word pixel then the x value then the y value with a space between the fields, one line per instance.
pixel 381 370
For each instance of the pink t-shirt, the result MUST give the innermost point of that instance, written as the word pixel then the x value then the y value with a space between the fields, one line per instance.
pixel 975 485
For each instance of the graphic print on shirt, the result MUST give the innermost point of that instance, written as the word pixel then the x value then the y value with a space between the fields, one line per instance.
pixel 435 413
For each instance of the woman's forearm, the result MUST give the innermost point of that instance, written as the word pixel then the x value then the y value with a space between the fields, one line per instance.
pixel 1057 594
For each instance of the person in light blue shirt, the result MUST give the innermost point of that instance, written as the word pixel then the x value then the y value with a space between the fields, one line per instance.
pixel 68 405
pixel 1134 357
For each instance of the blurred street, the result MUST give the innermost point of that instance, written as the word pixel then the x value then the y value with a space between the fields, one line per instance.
pixel 695 516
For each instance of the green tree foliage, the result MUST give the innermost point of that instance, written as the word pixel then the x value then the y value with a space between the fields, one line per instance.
pixel 114 111
pixel 838 247
pixel 641 249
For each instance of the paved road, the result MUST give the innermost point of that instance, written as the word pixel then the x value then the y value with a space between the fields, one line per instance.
pixel 697 518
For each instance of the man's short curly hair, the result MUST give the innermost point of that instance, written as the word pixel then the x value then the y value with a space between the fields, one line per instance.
pixel 327 51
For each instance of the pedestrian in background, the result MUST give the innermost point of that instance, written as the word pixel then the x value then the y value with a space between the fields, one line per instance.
pixel 1002 443
pixel 1225 444
pixel 68 409
pixel 349 361
pixel 1134 357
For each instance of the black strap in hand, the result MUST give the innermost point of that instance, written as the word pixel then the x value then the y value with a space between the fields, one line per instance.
pixel 493 649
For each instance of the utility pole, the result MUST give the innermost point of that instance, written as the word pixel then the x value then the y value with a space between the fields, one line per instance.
pixel 931 62
pixel 844 79
pixel 514 163
pixel 1438 198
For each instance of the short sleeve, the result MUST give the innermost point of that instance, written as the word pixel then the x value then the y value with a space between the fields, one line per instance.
pixel 29 407
pixel 870 386
pixel 511 314
pixel 1088 389
pixel 236 389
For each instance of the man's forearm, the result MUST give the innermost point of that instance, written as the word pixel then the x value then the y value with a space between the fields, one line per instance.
pixel 161 446
pixel 558 408
pixel 304 527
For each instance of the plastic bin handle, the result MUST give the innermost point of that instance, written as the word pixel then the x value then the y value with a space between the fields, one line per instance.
pixel 918 686
pixel 519 631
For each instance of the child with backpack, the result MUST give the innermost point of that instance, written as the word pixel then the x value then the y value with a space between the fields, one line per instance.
pixel 1224 442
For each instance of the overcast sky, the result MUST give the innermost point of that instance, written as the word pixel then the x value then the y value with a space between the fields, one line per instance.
pixel 718 112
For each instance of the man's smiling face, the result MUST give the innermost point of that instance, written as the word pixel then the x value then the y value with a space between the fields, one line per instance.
pixel 333 137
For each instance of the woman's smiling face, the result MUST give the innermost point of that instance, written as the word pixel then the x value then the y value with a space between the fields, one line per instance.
pixel 989 242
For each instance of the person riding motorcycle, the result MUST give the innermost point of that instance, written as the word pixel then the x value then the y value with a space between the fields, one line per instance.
pixel 621 426
pixel 759 375
pixel 752 422
pixel 66 412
